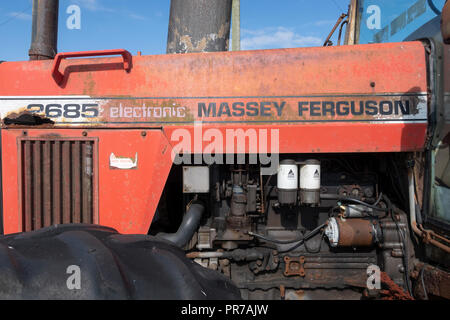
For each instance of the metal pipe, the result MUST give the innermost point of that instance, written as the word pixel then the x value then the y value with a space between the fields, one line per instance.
pixel 236 255
pixel 327 41
pixel 44 36
pixel 236 26
pixel 199 26
pixel 412 205
pixel 425 235
pixel 189 225
pixel 205 255
pixel 369 202
pixel 351 36
pixel 340 31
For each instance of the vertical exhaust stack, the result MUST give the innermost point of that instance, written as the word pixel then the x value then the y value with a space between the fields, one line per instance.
pixel 199 26
pixel 44 36
pixel 236 25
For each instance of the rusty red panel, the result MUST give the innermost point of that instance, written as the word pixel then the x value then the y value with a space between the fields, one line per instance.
pixel 127 199
pixel 278 72
pixel 56 181
pixel 27 181
pixel 349 91
pixel 46 183
pixel 37 185
pixel 66 182
pixel 53 188
pixel 87 172
pixel 76 191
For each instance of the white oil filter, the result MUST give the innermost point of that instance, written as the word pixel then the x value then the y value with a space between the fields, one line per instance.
pixel 287 182
pixel 310 182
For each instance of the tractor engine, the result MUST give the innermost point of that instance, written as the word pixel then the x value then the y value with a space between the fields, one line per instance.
pixel 315 229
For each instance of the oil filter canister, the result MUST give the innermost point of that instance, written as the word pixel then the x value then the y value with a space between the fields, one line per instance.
pixel 310 182
pixel 287 181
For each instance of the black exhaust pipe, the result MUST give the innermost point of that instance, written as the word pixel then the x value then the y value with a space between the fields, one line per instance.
pixel 189 225
pixel 199 26
pixel 44 35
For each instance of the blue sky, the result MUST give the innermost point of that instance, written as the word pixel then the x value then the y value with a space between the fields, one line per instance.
pixel 141 25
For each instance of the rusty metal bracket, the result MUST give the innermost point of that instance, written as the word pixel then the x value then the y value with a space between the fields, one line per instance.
pixel 338 22
pixel 59 77
pixel 294 266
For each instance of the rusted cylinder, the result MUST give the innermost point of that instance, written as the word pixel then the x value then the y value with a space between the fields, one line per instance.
pixel 352 232
pixel 199 26
pixel 236 25
pixel 355 232
pixel 44 37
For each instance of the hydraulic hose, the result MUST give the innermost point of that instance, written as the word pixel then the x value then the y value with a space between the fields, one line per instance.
pixel 189 225
pixel 298 241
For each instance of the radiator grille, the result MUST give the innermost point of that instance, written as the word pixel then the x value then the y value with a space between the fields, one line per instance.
pixel 57 182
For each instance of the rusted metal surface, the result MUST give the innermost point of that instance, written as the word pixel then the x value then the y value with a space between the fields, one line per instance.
pixel 233 233
pixel 282 292
pixel 86 180
pixel 65 181
pixel 338 22
pixel 56 178
pixel 199 26
pixel 27 192
pixel 45 29
pixel 294 266
pixel 59 77
pixel 47 186
pixel 445 23
pixel 314 278
pixel 36 187
pixel 436 281
pixel 154 94
pixel 351 35
pixel 340 31
pixel 236 25
pixel 135 199
pixel 25 118
pixel 324 271
pixel 54 188
pixel 76 185
pixel 419 175
pixel 429 236
pixel 355 233
pixel 391 290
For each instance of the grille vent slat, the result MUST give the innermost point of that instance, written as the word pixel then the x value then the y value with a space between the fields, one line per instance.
pixel 57 182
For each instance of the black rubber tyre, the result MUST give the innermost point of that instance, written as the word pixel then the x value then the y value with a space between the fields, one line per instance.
pixel 35 265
